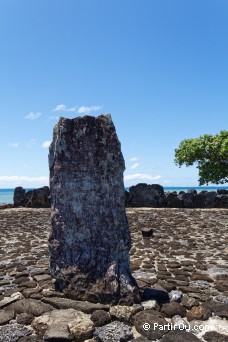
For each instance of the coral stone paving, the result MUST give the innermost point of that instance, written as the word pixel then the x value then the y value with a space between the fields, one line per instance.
pixel 187 257
pixel 189 249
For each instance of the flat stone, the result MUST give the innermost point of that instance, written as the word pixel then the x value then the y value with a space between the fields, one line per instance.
pixel 30 306
pixel 218 308
pixel 100 318
pixel 81 327
pixel 42 277
pixel 12 332
pixel 147 323
pixel 65 303
pixel 6 316
pixel 124 313
pixel 30 291
pixel 199 313
pixel 180 336
pixel 140 339
pixel 189 302
pixel 20 280
pixel 24 318
pixel 214 336
pixel 8 300
pixel 173 308
pixel 115 332
pixel 64 325
pixel 30 339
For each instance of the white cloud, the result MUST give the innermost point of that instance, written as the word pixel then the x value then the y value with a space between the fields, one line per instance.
pixel 87 110
pixel 134 166
pixel 133 159
pixel 46 144
pixel 76 109
pixel 22 178
pixel 63 108
pixel 14 145
pixel 33 115
pixel 141 176
pixel 27 182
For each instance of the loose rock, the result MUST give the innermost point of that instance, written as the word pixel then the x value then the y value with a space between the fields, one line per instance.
pixel 115 332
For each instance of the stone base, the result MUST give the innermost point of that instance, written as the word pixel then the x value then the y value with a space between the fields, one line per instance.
pixel 108 289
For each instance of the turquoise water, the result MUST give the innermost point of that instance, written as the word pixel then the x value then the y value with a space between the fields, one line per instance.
pixel 6 195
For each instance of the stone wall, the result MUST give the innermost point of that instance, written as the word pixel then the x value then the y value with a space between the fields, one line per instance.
pixel 153 196
pixel 140 195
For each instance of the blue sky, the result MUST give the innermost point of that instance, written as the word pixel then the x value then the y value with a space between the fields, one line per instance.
pixel 159 67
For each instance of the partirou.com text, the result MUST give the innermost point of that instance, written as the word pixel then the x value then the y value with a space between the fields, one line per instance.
pixel 181 326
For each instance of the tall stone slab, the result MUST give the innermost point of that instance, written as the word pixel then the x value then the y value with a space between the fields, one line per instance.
pixel 90 240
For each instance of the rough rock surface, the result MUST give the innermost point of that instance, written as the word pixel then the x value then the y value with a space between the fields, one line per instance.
pixel 31 306
pixel 36 198
pixel 115 332
pixel 12 332
pixel 90 241
pixel 144 195
pixel 19 196
pixel 64 324
pixel 153 196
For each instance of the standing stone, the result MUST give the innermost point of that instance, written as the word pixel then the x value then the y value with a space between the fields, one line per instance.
pixel 90 241
pixel 19 196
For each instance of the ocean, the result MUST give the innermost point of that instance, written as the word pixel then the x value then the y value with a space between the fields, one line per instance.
pixel 6 195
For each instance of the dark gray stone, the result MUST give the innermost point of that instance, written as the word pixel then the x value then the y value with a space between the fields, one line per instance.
pixel 24 318
pixel 214 336
pixel 187 199
pixel 145 195
pixel 192 191
pixel 199 200
pixel 100 317
pixel 222 201
pixel 65 303
pixel 210 199
pixel 127 198
pixel 30 339
pixel 19 196
pixel 30 306
pixel 147 232
pixel 90 241
pixel 222 192
pixel 180 336
pixel 115 332
pixel 172 200
pixel 38 198
pixel 147 323
pixel 173 308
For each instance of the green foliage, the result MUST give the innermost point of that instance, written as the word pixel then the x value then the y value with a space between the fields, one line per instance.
pixel 210 153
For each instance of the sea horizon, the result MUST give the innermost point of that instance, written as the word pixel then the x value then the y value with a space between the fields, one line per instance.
pixel 6 195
